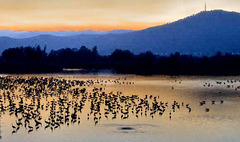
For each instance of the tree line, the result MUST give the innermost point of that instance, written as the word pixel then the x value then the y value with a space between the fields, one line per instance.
pixel 37 60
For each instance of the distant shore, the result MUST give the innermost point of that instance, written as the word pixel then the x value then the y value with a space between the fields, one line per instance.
pixel 25 60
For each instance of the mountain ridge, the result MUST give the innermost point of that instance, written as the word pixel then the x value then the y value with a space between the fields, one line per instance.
pixel 202 33
pixel 29 34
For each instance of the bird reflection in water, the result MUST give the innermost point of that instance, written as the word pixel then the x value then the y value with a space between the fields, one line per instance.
pixel 28 97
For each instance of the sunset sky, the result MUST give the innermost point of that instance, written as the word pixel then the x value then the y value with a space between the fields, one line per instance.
pixel 101 15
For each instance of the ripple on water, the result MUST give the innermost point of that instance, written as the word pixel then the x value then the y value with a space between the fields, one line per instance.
pixel 126 128
pixel 131 128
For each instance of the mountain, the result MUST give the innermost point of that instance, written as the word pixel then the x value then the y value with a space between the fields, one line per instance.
pixel 28 34
pixel 203 33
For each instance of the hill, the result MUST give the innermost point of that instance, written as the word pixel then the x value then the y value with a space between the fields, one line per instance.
pixel 203 33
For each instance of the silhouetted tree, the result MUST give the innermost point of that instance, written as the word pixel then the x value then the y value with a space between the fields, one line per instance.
pixel 121 56
pixel 34 59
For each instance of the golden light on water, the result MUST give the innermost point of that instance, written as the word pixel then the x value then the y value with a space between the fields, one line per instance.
pixel 219 124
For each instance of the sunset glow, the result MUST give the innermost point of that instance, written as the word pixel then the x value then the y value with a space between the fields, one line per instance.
pixel 95 27
pixel 100 15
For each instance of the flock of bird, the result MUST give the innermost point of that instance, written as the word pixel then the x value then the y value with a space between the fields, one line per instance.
pixel 28 98
pixel 228 83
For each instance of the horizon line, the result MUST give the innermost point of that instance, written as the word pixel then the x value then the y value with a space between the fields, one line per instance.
pixel 134 26
pixel 77 28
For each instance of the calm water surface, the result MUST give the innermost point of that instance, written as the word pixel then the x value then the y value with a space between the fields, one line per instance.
pixel 119 108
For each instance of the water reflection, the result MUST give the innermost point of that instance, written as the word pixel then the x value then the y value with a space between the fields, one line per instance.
pixel 37 103
pixel 65 100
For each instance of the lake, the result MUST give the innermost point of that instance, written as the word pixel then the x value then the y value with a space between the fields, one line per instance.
pixel 119 108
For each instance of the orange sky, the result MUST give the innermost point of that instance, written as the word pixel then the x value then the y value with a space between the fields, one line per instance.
pixel 101 15
pixel 95 27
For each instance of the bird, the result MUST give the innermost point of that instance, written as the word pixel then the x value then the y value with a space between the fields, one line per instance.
pixel 207 109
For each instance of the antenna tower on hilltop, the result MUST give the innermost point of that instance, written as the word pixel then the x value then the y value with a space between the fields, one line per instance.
pixel 205 8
